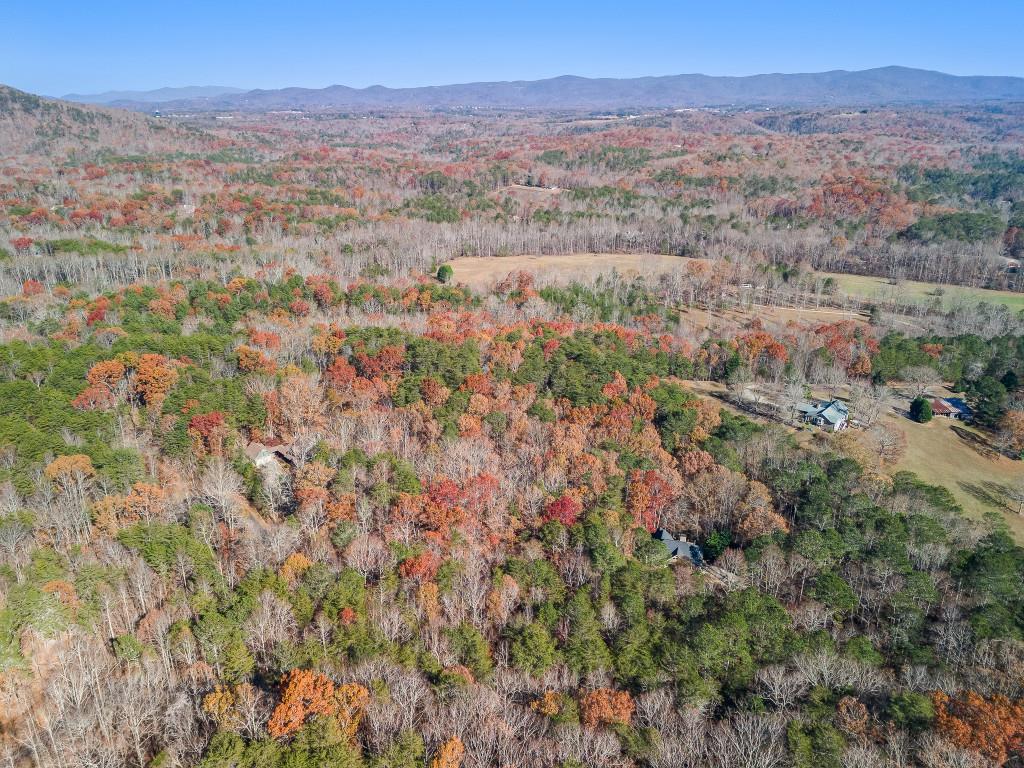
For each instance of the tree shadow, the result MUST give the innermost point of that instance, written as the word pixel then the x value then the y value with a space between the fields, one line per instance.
pixel 976 441
pixel 988 492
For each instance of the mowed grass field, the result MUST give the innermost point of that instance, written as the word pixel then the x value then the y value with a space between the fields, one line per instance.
pixel 482 272
pixel 946 452
pixel 879 288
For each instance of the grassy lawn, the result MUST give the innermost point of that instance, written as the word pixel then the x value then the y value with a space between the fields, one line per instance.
pixel 946 452
pixel 879 288
pixel 480 272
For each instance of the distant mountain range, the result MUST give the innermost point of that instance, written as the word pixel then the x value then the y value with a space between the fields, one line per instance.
pixel 886 85
pixel 155 96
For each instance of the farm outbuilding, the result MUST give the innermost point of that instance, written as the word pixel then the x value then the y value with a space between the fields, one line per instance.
pixel 963 410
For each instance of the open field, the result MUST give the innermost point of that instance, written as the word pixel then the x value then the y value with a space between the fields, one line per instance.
pixel 481 272
pixel 948 453
pixel 879 288
pixel 712 320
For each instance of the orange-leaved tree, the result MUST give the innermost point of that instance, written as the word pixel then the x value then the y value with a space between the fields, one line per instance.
pixel 450 754
pixel 606 706
pixel 304 694
pixel 154 377
pixel 350 701
pixel 992 726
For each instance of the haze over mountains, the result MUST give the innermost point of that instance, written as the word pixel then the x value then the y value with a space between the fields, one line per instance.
pixel 887 85
pixel 157 95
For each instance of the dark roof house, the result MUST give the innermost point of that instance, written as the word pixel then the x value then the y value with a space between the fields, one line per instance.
pixel 679 547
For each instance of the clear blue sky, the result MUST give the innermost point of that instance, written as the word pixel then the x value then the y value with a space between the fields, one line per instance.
pixel 86 46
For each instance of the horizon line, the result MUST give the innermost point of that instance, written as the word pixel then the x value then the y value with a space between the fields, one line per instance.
pixel 525 80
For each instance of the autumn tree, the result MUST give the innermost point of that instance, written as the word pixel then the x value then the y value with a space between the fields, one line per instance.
pixel 154 377
pixel 756 514
pixel 304 694
pixel 648 496
pixel 73 476
pixel 565 509
pixel 606 706
pixel 449 754
pixel 992 726
pixel 106 383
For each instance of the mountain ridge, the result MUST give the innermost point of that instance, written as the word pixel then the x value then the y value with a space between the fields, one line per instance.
pixel 155 95
pixel 880 86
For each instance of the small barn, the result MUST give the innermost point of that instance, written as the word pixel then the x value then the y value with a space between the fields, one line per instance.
pixel 963 410
pixel 942 408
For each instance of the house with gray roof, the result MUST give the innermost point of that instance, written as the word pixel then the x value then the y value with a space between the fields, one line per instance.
pixel 679 548
pixel 832 415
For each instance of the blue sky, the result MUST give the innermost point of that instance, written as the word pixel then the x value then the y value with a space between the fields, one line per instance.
pixel 94 45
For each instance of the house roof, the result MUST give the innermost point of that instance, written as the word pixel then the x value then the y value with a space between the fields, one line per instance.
pixel 680 547
pixel 259 452
pixel 942 407
pixel 960 405
pixel 835 412
pixel 252 450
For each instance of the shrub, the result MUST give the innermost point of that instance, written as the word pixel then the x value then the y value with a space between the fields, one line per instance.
pixel 127 648
pixel 921 410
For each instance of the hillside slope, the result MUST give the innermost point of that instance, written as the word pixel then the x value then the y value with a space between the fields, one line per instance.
pixel 32 124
